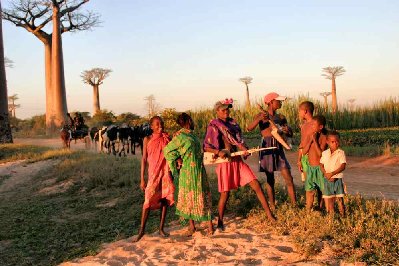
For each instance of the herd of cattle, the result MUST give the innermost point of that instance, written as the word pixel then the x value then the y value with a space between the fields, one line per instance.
pixel 110 139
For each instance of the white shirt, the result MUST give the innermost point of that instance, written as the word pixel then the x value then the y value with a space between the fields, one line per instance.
pixel 332 161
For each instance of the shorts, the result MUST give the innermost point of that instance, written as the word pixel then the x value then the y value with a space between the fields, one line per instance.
pixel 333 189
pixel 314 175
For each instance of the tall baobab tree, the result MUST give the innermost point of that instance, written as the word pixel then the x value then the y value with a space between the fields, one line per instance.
pixel 11 104
pixel 246 81
pixel 95 77
pixel 331 73
pixel 325 95
pixel 5 129
pixel 33 16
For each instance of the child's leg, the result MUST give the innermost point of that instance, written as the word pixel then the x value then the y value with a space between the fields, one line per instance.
pixel 309 200
pixel 320 200
pixel 254 184
pixel 341 206
pixel 270 189
pixel 144 217
pixel 289 181
pixel 164 208
pixel 331 203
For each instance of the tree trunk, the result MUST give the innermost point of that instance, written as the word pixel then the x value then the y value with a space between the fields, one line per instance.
pixel 50 126
pixel 248 103
pixel 334 96
pixel 325 103
pixel 57 74
pixel 96 99
pixel 5 129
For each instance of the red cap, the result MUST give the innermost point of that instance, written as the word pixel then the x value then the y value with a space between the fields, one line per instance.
pixel 273 96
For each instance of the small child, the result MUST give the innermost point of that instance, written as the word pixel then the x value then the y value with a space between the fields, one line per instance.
pixel 333 163
pixel 312 150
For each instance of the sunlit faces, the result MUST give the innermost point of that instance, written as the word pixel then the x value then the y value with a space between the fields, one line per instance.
pixel 333 142
pixel 157 125
pixel 301 113
pixel 223 113
pixel 316 126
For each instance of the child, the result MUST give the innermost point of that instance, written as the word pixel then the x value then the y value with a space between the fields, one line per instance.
pixel 333 163
pixel 159 190
pixel 305 114
pixel 314 146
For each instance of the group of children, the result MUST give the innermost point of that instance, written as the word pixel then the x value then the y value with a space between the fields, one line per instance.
pixel 322 167
pixel 319 159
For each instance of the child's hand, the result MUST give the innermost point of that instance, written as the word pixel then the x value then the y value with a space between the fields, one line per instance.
pixel 179 163
pixel 143 185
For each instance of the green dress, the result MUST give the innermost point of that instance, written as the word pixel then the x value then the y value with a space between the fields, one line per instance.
pixel 194 196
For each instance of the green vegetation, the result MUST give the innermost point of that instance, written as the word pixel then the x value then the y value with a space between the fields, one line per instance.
pixel 369 233
pixel 15 152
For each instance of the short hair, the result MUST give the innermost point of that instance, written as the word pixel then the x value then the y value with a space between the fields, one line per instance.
pixel 157 117
pixel 183 119
pixel 307 105
pixel 333 133
pixel 320 119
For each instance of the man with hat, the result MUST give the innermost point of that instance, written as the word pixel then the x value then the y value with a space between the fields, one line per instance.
pixel 223 136
pixel 273 159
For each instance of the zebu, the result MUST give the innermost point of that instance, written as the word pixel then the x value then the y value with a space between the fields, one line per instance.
pixel 65 135
pixel 123 136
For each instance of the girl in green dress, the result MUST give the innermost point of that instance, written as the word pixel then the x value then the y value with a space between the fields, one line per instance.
pixel 194 196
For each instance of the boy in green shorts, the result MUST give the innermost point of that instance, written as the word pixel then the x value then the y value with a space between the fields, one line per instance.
pixel 315 144
pixel 333 163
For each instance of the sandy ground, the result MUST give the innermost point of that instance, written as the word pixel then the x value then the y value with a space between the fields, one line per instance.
pixel 235 246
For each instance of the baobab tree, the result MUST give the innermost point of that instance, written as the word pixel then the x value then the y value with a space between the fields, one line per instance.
pixel 325 95
pixel 95 77
pixel 246 81
pixel 33 16
pixel 331 73
pixel 152 106
pixel 351 103
pixel 11 104
pixel 5 129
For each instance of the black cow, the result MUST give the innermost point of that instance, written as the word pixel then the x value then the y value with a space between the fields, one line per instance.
pixel 124 134
pixel 109 138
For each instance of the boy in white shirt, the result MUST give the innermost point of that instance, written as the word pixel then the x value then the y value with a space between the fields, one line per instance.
pixel 333 163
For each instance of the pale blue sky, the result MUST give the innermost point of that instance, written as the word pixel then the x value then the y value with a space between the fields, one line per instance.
pixel 189 54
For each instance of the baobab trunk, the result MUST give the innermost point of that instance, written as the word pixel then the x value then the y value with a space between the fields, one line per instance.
pixel 333 96
pixel 50 126
pixel 325 104
pixel 248 103
pixel 57 74
pixel 5 129
pixel 96 99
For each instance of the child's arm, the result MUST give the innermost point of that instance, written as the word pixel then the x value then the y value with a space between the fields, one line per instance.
pixel 255 122
pixel 144 164
pixel 340 169
pixel 320 143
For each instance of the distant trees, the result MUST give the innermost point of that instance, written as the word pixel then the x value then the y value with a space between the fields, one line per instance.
pixel 95 77
pixel 325 95
pixel 247 80
pixel 5 128
pixel 331 73
pixel 11 104
pixel 33 16
pixel 152 106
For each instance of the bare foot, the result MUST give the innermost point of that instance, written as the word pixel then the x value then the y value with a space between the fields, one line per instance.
pixel 220 225
pixel 163 233
pixel 189 232
pixel 139 236
pixel 272 218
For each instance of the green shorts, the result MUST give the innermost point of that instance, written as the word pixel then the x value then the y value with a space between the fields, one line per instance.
pixel 314 175
pixel 333 189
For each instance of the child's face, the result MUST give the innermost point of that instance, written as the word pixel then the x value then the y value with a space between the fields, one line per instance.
pixel 301 113
pixel 333 142
pixel 317 127
pixel 157 126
